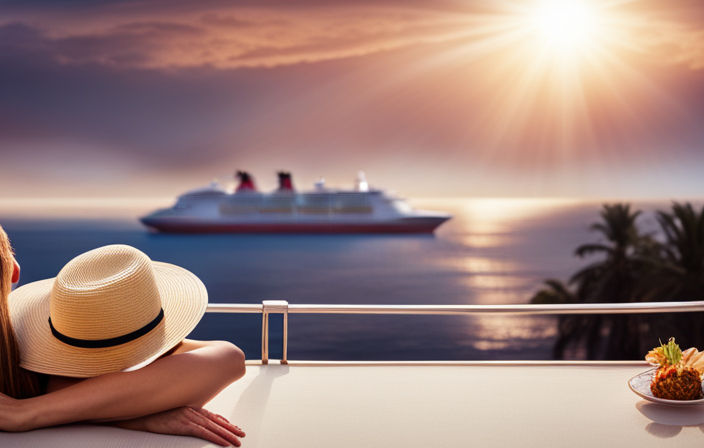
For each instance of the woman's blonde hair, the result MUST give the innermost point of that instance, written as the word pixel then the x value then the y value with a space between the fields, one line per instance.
pixel 14 381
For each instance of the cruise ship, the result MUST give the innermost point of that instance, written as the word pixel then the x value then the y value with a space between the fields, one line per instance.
pixel 216 209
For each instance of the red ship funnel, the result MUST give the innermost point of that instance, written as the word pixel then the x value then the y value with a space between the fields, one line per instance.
pixel 285 182
pixel 246 182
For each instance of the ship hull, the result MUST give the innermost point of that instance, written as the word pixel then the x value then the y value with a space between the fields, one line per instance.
pixel 402 225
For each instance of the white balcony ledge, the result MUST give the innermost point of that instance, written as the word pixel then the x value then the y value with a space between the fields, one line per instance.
pixel 479 404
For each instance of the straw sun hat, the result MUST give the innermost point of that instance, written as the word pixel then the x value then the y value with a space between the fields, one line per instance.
pixel 108 310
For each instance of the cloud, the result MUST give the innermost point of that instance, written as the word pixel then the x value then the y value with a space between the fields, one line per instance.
pixel 163 35
pixel 237 38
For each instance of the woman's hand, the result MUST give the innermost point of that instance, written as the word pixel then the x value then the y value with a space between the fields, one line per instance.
pixel 183 421
pixel 188 421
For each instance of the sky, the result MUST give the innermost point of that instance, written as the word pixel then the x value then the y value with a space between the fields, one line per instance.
pixel 599 99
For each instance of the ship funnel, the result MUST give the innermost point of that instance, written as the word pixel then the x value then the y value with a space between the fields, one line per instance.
pixel 246 182
pixel 285 182
pixel 361 182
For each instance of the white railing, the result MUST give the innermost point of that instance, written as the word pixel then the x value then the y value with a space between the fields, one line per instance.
pixel 282 307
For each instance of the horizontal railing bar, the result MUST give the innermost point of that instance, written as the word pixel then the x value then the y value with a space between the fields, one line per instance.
pixel 234 308
pixel 283 307
pixel 582 308
pixel 494 363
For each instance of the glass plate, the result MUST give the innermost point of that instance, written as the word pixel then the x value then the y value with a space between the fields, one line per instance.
pixel 640 384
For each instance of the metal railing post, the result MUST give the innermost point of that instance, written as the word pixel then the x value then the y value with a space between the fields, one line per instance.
pixel 284 359
pixel 265 335
pixel 273 306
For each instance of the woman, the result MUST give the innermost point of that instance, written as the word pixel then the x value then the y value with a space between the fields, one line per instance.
pixel 102 356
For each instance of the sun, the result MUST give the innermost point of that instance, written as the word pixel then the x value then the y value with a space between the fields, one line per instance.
pixel 566 25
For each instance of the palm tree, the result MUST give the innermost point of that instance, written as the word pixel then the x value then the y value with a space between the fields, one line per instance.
pixel 609 280
pixel 678 272
pixel 684 232
pixel 612 280
pixel 634 267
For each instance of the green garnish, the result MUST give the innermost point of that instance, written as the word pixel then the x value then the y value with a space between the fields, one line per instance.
pixel 671 351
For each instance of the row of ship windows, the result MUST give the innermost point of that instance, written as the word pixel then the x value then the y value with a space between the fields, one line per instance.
pixel 228 209
pixel 288 205
pixel 235 209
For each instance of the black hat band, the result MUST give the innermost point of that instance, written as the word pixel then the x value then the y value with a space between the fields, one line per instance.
pixel 112 342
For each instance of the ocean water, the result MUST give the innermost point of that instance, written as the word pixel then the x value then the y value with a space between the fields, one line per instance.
pixel 494 251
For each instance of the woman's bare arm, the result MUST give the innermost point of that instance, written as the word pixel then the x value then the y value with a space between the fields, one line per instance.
pixel 191 376
pixel 183 421
pixel 56 383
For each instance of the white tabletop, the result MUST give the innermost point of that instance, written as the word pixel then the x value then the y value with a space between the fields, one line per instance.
pixel 478 405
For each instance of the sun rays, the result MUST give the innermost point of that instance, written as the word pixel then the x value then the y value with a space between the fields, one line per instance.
pixel 566 25
pixel 558 69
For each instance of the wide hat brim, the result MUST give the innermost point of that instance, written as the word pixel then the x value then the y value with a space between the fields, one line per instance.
pixel 184 299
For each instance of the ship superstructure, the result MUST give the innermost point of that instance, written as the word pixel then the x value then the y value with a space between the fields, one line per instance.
pixel 214 209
